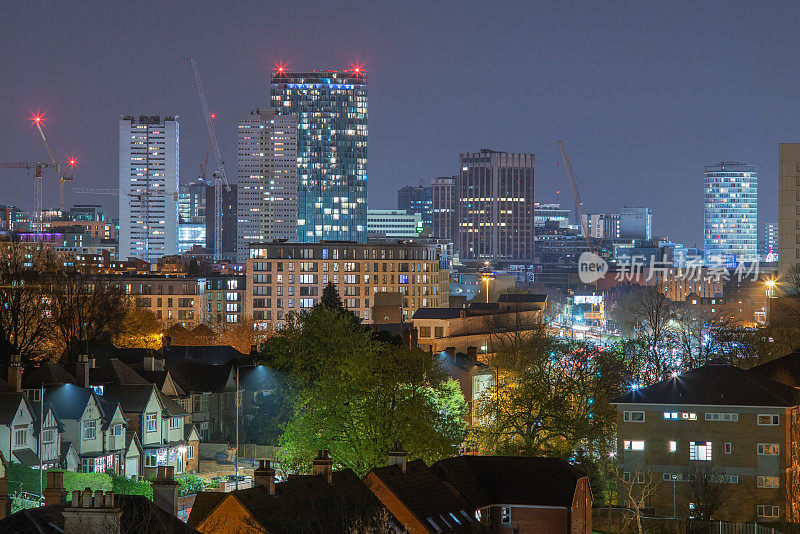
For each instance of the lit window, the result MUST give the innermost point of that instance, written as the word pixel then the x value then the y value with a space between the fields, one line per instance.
pixel 89 429
pixel 700 450
pixel 768 481
pixel 673 446
pixel 768 419
pixel 150 422
pixel 633 445
pixel 767 449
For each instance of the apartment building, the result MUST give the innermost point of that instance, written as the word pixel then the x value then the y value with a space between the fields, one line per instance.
pixel 732 428
pixel 677 283
pixel 290 277
pixel 172 299
pixel 225 299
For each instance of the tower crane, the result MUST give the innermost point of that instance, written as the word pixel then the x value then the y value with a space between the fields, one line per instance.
pixel 576 196
pixel 220 178
pixel 67 176
pixel 37 186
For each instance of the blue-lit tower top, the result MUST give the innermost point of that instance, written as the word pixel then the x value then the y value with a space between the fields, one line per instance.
pixel 331 107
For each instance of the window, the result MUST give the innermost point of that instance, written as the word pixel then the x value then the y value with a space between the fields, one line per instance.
pixel 768 419
pixel 190 452
pixel 633 445
pixel 700 450
pixel 116 430
pixel 767 510
pixel 633 417
pixel 673 446
pixel 689 416
pixel 686 416
pixel 505 515
pixel 174 423
pixel 89 429
pixel 424 331
pixel 150 459
pixel 150 423
pixel 20 437
pixel 768 481
pixel 728 448
pixel 636 478
pixel 767 449
pixel 718 416
pixel 48 435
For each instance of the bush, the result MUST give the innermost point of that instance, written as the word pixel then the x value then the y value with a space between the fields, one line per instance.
pixel 81 481
pixel 190 483
pixel 127 486
pixel 23 478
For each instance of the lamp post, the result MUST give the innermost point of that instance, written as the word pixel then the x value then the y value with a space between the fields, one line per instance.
pixel 770 283
pixel 236 458
pixel 487 279
pixel 41 430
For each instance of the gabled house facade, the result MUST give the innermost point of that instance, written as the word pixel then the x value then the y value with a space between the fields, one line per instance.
pixel 18 425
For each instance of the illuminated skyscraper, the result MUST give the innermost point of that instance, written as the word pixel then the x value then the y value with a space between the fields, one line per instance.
pixel 331 107
pixel 148 187
pixel 731 213
pixel 416 199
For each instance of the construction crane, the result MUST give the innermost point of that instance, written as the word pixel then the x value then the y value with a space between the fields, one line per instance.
pixel 576 196
pixel 204 163
pixel 68 175
pixel 37 186
pixel 220 178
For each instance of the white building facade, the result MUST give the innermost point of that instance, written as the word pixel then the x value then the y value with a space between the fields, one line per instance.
pixel 267 178
pixel 394 223
pixel 149 162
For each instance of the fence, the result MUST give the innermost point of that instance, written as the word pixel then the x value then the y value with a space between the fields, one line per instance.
pixel 622 521
pixel 723 527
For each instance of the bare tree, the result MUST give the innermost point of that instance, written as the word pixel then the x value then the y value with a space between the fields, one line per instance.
pixel 636 487
pixel 25 299
pixel 707 487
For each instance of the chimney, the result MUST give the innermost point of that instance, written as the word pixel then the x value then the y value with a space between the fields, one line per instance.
pixel 323 465
pixel 264 476
pixel 472 352
pixel 398 457
pixel 165 489
pixel 165 343
pixel 15 372
pixel 149 362
pixel 451 351
pixel 5 499
pixel 82 370
pixel 55 493
pixel 89 513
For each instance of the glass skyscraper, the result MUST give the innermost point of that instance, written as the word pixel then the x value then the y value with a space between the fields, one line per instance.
pixel 331 110
pixel 731 213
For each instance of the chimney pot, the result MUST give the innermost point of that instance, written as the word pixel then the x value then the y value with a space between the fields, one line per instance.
pixel 165 489
pixel 398 457
pixel 323 465
pixel 15 372
pixel 54 492
pixel 264 476
pixel 82 370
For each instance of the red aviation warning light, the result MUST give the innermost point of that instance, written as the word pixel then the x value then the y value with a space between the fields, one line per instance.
pixel 213 116
pixel 356 69
pixel 280 69
pixel 72 161
pixel 38 118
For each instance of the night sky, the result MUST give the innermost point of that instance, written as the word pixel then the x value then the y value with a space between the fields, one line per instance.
pixel 643 95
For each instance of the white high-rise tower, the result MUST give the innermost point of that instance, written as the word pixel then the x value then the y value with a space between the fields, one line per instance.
pixel 149 165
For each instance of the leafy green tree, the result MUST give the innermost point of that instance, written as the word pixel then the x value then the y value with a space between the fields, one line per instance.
pixel 190 483
pixel 359 397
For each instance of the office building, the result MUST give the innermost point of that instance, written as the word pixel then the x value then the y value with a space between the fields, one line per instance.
pixel 788 207
pixel 601 225
pixel 394 223
pixel 542 213
pixel 191 215
pixel 417 199
pixel 229 221
pixel 148 186
pixel 731 213
pixel 290 277
pixel 331 107
pixel 267 178
pixel 443 217
pixel 635 223
pixel 495 206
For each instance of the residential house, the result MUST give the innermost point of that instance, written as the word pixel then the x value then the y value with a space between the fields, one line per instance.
pixel 192 448
pixel 49 435
pixel 134 455
pixel 719 426
pixel 18 426
pixel 158 420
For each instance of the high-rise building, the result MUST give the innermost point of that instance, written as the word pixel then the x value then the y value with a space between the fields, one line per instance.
pixel 731 213
pixel 601 225
pixel 394 223
pixel 788 207
pixel 635 223
pixel 416 199
pixel 148 186
pixel 769 242
pixel 267 178
pixel 495 206
pixel 192 215
pixel 331 107
pixel 229 222
pixel 444 204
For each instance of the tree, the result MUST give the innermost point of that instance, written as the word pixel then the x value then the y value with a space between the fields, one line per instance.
pixel 707 488
pixel 25 299
pixel 552 398
pixel 359 397
pixel 85 309
pixel 636 487
pixel 140 330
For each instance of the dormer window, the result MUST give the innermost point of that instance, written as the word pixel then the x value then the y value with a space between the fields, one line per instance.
pixel 150 423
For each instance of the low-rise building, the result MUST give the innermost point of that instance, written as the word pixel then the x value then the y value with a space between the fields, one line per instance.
pixel 717 427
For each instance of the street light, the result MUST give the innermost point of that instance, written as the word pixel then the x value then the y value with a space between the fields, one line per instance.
pixel 487 279
pixel 770 283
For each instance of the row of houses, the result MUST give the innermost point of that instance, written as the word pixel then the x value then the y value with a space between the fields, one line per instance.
pixel 127 418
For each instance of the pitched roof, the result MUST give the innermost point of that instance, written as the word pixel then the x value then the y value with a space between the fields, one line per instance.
pixel 47 374
pixel 139 516
pixel 115 371
pixel 304 503
pixel 132 398
pixel 785 369
pixel 424 494
pixel 198 376
pixel 715 383
pixel 171 408
pixel 492 480
pixel 69 402
pixel 9 402
pixel 215 354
